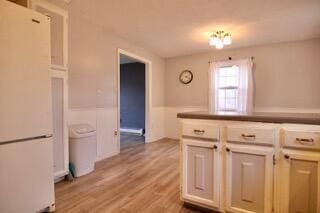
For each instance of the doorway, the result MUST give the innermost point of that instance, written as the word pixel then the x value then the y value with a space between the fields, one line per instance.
pixel 133 100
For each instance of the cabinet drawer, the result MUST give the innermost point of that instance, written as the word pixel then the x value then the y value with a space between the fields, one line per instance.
pixel 301 139
pixel 251 134
pixel 201 130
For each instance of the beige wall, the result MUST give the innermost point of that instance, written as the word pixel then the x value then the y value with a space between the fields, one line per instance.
pixel 93 64
pixel 93 79
pixel 286 75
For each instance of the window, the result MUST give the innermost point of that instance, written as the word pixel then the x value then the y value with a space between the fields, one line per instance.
pixel 228 88
pixel 231 86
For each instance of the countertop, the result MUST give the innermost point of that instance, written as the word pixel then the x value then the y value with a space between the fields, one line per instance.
pixel 268 117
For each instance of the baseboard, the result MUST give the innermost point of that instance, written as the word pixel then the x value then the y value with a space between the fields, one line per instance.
pixel 171 139
pixel 132 131
pixel 101 158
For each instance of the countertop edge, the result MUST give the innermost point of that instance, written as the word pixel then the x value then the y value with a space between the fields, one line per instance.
pixel 265 119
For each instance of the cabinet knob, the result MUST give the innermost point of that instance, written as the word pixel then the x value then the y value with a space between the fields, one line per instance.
pixel 286 156
pixel 227 149
pixel 215 147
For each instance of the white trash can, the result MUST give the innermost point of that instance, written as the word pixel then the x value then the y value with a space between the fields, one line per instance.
pixel 82 148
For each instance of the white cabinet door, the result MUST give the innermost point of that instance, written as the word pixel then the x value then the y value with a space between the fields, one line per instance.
pixel 60 129
pixel 249 178
pixel 300 173
pixel 59 32
pixel 200 172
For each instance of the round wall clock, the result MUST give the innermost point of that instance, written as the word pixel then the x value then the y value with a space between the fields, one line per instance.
pixel 186 76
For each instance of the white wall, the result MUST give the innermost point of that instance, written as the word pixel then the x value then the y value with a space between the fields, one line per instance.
pixel 93 80
pixel 286 78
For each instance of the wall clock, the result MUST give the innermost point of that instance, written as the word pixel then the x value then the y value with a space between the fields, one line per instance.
pixel 186 76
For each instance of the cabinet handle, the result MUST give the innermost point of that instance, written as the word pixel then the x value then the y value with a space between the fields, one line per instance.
pixel 36 21
pixel 305 141
pixel 215 147
pixel 198 131
pixel 248 136
pixel 286 156
pixel 227 149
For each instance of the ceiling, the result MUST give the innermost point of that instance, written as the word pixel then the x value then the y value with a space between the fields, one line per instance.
pixel 126 59
pixel 180 27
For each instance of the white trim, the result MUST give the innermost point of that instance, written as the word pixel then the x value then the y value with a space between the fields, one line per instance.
pixel 148 90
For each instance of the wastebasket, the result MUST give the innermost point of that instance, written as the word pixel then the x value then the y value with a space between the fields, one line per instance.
pixel 82 148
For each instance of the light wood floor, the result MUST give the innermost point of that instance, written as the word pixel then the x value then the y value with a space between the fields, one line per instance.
pixel 127 140
pixel 143 178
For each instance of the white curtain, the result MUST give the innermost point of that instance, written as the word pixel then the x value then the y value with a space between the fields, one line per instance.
pixel 245 103
pixel 246 85
pixel 213 70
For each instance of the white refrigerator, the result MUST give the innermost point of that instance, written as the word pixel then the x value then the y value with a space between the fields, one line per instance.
pixel 26 155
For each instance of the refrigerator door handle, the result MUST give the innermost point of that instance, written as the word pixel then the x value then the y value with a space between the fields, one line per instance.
pixel 26 139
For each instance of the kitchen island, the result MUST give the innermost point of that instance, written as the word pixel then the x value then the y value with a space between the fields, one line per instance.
pixel 259 162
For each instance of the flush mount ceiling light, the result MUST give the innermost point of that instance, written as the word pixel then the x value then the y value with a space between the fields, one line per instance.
pixel 219 39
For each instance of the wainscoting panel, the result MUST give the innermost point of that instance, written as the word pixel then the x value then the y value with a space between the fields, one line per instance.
pixel 104 120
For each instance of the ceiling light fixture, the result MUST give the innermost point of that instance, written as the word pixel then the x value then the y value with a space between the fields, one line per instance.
pixel 219 39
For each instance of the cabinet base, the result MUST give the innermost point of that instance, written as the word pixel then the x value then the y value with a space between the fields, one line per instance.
pixel 197 206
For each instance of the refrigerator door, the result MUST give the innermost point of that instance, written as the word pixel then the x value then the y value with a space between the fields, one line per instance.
pixel 25 92
pixel 26 177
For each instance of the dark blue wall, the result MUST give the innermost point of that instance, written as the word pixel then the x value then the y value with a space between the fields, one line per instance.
pixel 132 95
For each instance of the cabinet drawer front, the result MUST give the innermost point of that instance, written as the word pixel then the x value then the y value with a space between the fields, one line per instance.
pixel 207 131
pixel 301 139
pixel 255 135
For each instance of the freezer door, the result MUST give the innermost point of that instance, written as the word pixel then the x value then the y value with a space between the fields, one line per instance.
pixel 25 85
pixel 26 177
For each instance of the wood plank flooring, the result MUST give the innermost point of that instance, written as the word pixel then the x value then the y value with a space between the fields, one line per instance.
pixel 143 178
pixel 127 140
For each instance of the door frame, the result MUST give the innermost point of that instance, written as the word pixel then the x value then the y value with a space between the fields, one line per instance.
pixel 148 91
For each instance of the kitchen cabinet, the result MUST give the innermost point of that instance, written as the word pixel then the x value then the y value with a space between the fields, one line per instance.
pixel 249 166
pixel 59 81
pixel 59 32
pixel 200 172
pixel 249 178
pixel 300 174
pixel 300 169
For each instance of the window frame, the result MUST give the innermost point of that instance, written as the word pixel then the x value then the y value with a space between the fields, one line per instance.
pixel 213 83
pixel 225 88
